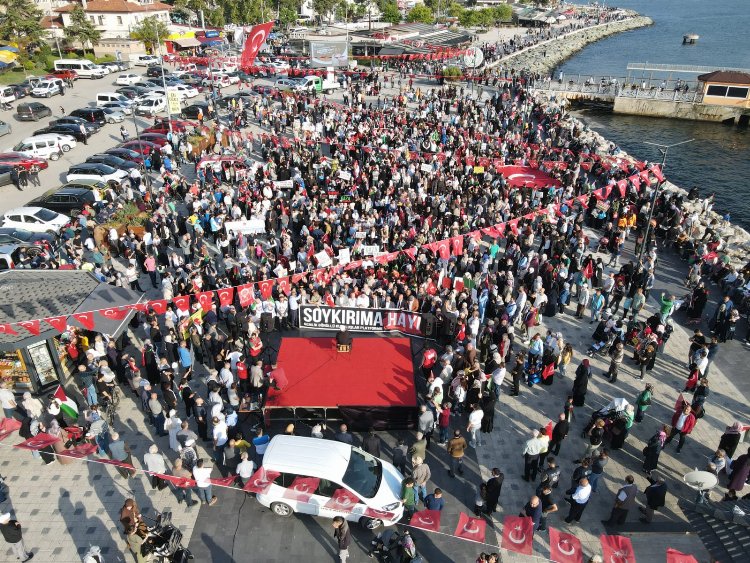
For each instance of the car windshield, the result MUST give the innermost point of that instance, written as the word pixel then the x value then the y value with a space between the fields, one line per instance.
pixel 22 235
pixel 20 147
pixel 363 474
pixel 45 215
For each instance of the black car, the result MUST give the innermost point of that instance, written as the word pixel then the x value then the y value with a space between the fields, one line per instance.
pixel 65 129
pixel 131 92
pixel 113 161
pixel 77 121
pixel 126 154
pixel 21 90
pixel 92 115
pixel 25 239
pixel 155 71
pixel 191 111
pixel 32 111
pixel 69 201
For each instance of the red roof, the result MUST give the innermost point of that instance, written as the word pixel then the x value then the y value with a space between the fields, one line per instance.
pixel 118 6
pixel 726 77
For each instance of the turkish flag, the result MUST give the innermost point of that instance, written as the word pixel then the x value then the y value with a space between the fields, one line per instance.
pixel 622 186
pixel 583 200
pixel 442 249
pixel 266 288
pixel 246 294
pixel 226 295
pixel 635 179
pixel 58 323
pixel 284 285
pixel 159 306
pixel 342 500
pixel 182 302
pixel 260 481
pixel 645 177
pixel 31 326
pixel 513 226
pixel 115 313
pixel 426 519
pixel 656 171
pixel 206 299
pixel 86 319
pixel 617 549
pixel 255 39
pixel 181 482
pixel 470 528
pixel 386 258
pixel 8 426
pixel 7 329
pixel 140 307
pixel 383 515
pixel 564 548
pixel 302 488
pixel 224 481
pixel 116 463
pixel 80 451
pixel 38 442
pixel 411 252
pixel 674 556
pixel 457 245
pixel 588 271
pixel 353 265
pixel 548 430
pixel 476 235
pixel 296 278
pixel 518 534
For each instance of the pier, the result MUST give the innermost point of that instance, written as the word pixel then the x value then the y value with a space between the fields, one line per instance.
pixel 650 90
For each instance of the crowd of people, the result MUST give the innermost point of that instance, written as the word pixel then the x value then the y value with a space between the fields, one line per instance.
pixel 418 178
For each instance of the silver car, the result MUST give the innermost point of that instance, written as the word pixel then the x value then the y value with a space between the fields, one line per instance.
pixel 5 129
pixel 113 115
pixel 119 106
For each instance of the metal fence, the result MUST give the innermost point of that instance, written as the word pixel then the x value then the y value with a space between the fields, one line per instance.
pixel 609 87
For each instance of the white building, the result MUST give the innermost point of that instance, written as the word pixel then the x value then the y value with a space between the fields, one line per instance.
pixel 116 18
pixel 48 7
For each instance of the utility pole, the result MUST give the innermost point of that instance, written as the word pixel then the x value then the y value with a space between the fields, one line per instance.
pixel 164 83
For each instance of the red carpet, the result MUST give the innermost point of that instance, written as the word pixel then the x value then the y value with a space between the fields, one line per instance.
pixel 377 372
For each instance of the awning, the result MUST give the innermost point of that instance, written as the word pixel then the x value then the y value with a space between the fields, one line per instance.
pixel 209 41
pixel 9 48
pixel 391 51
pixel 187 42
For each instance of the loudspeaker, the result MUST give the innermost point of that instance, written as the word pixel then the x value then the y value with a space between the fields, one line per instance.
pixel 266 322
pixel 429 325
pixel 449 326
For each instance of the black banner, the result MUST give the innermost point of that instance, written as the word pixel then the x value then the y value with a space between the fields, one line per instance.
pixel 360 320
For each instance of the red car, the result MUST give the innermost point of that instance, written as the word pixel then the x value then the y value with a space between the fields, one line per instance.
pixel 155 138
pixel 64 74
pixel 20 159
pixel 178 126
pixel 141 146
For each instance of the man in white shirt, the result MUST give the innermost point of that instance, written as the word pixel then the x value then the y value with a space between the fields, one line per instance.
pixel 226 378
pixel 498 375
pixel 202 484
pixel 475 423
pixel 531 451
pixel 245 468
pixel 220 438
pixel 579 500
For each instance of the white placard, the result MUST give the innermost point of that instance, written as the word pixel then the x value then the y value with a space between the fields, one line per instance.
pixel 283 184
pixel 426 168
pixel 344 175
pixel 247 227
pixel 360 234
pixel 345 256
pixel 368 250
pixel 323 259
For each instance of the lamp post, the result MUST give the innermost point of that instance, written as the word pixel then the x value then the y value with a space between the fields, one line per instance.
pixel 663 149
pixel 57 40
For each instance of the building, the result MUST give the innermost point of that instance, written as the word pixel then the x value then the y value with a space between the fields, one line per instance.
pixel 726 88
pixel 116 18
pixel 48 7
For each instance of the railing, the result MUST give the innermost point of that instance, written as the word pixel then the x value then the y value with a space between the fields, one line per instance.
pixel 610 87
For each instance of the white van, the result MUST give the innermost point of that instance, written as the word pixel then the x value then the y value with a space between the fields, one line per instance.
pixel 103 98
pixel 143 60
pixel 49 146
pixel 83 67
pixel 7 95
pixel 48 88
pixel 327 478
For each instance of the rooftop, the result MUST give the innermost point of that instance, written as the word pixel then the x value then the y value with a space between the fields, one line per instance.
pixel 726 76
pixel 118 6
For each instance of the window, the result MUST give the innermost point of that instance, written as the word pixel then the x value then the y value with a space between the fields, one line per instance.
pixel 326 488
pixel 363 473
pixel 119 20
pixel 737 92
pixel 92 19
pixel 101 20
pixel 714 90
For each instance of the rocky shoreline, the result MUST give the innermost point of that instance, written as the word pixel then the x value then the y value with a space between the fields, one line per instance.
pixel 560 48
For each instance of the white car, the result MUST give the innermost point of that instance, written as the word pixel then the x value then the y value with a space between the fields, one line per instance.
pixel 288 84
pixel 278 65
pixel 225 73
pixel 97 171
pixel 35 219
pixel 49 146
pixel 128 79
pixel 105 68
pixel 183 92
pixel 151 106
pixel 221 80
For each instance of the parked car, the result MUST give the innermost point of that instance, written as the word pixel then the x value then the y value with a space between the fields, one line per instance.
pixel 48 88
pixel 64 74
pixel 141 146
pixel 35 219
pixel 96 171
pixel 232 78
pixel 263 89
pixel 5 128
pixel 113 115
pixel 22 89
pixel 155 71
pixel 187 92
pixel 112 160
pixel 126 154
pixel 217 80
pixel 6 174
pixel 93 115
pixel 30 163
pixel 287 84
pixel 49 146
pixel 70 201
pixel 132 91
pixel 115 66
pixel 65 129
pixel 191 111
pixel 156 138
pixel 161 125
pixel 73 120
pixel 32 111
pixel 128 79
pixel 25 239
pixel 151 106
pixel 123 108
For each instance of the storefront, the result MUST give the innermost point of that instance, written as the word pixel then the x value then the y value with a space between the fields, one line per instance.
pixel 34 359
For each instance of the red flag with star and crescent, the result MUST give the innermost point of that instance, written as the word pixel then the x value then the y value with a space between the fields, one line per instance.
pixel 266 288
pixel 159 306
pixel 426 519
pixel 617 549
pixel 116 313
pixel 246 294
pixel 58 323
pixel 470 528
pixel 254 41
pixel 564 548
pixel 31 326
pixel 518 534
pixel 206 299
pixel 674 556
pixel 86 319
pixel 226 295
pixel 182 302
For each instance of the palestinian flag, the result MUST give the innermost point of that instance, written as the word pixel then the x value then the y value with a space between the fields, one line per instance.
pixel 67 405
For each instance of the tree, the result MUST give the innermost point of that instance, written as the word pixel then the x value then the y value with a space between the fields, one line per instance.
pixel 390 13
pixel 503 12
pixel 288 12
pixel 20 23
pixel 420 14
pixel 81 29
pixel 323 8
pixel 151 30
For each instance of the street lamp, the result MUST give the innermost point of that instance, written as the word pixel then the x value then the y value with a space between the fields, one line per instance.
pixel 663 149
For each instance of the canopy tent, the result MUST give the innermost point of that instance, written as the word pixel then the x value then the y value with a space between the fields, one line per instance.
pixel 186 42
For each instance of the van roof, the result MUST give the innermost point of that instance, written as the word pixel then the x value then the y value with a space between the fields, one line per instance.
pixel 312 457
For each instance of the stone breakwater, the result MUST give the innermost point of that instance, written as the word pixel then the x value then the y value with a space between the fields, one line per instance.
pixel 544 57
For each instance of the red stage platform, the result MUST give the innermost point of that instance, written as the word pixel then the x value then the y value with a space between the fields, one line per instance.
pixel 378 372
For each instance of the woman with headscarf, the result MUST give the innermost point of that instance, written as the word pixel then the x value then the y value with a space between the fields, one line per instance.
pixel 698 301
pixel 731 439
pixel 653 449
pixel 488 408
pixel 581 383
pixel 621 428
pixel 33 407
pixel 173 425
